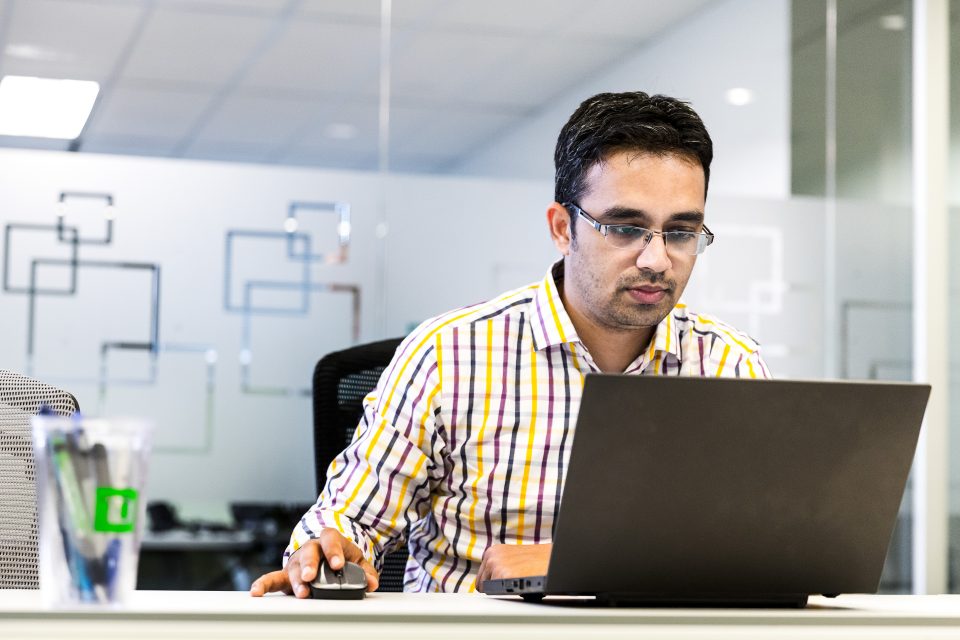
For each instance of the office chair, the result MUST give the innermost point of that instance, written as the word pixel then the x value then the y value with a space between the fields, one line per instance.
pixel 341 380
pixel 20 399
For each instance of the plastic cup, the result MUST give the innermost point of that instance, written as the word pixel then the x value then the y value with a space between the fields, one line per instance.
pixel 91 507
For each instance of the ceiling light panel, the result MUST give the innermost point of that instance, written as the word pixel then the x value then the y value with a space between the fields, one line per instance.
pixel 45 107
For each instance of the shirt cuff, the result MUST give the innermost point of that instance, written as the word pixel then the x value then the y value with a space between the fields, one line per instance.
pixel 314 522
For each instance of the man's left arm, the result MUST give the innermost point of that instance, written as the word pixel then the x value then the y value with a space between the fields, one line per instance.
pixel 502 561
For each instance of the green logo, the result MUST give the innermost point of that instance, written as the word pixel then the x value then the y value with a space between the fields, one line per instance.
pixel 116 510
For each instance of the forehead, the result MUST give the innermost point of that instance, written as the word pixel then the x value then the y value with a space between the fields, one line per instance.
pixel 646 180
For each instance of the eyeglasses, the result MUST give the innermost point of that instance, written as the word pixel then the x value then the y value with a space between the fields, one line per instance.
pixel 628 236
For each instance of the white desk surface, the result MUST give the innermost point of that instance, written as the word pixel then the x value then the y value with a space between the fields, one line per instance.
pixel 223 614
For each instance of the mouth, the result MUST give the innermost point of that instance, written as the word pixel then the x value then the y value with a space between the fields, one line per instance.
pixel 647 294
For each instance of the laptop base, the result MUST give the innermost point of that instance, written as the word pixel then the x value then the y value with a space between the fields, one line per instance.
pixel 788 601
pixel 682 602
pixel 534 589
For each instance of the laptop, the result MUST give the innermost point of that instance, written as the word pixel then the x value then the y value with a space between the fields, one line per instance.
pixel 726 492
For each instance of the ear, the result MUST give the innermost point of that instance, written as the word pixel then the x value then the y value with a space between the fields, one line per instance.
pixel 558 219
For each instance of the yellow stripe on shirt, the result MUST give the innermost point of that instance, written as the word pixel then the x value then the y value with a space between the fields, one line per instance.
pixel 528 460
pixel 723 359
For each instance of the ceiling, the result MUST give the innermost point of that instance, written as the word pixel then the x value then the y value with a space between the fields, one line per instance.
pixel 296 82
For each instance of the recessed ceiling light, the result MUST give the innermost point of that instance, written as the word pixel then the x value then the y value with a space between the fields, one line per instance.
pixel 340 131
pixel 33 52
pixel 893 22
pixel 45 108
pixel 738 96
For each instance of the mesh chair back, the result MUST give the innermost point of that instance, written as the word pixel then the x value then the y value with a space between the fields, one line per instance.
pixel 341 380
pixel 20 399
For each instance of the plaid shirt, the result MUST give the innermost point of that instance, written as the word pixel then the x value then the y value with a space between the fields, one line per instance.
pixel 465 441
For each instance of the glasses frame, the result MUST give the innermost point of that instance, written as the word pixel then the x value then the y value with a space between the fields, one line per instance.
pixel 705 239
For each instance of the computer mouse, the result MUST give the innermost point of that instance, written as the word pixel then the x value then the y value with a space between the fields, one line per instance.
pixel 348 583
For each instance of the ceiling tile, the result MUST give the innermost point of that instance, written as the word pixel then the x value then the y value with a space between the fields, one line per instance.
pixel 322 57
pixel 259 120
pixel 368 10
pixel 419 163
pixel 143 112
pixel 541 70
pixel 263 7
pixel 404 12
pixel 315 146
pixel 629 21
pixel 444 132
pixel 443 66
pixel 64 39
pixel 362 116
pixel 194 47
pixel 503 16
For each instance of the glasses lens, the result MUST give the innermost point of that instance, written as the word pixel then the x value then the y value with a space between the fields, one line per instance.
pixel 676 242
pixel 627 236
pixel 683 242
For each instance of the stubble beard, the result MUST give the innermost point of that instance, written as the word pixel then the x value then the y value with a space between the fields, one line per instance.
pixel 618 311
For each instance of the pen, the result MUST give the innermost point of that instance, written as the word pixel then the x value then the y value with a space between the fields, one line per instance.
pixel 112 560
pixel 66 481
pixel 111 556
pixel 81 558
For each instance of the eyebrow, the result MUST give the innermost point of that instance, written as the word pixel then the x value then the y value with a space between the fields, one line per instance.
pixel 615 215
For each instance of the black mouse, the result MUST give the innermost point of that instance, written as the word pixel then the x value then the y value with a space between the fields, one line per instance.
pixel 348 583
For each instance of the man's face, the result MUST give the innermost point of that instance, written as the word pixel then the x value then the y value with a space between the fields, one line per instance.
pixel 622 289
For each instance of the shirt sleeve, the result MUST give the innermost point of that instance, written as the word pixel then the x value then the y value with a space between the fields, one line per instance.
pixel 737 358
pixel 383 480
pixel 755 367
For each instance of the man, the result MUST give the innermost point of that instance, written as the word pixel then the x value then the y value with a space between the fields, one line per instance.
pixel 464 444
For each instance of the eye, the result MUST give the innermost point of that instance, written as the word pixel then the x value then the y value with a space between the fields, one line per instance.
pixel 683 236
pixel 626 231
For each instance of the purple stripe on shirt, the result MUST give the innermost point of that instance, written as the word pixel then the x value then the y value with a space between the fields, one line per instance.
pixel 700 343
pixel 546 450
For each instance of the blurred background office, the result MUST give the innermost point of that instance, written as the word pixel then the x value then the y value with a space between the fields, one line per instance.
pixel 251 184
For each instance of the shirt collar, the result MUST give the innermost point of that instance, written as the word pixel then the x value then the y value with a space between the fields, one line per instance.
pixel 666 338
pixel 552 326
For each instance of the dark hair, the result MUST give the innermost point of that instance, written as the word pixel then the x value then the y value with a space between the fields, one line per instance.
pixel 630 121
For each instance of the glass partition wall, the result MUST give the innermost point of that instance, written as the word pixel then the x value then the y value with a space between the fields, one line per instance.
pixel 851 151
pixel 953 201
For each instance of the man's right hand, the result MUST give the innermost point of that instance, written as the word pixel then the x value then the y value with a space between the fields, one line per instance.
pixel 303 564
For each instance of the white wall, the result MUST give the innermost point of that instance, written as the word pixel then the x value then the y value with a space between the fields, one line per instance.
pixel 734 43
pixel 450 241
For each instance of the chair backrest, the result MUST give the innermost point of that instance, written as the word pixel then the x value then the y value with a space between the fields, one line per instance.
pixel 20 399
pixel 341 380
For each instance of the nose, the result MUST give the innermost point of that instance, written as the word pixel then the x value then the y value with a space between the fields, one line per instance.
pixel 654 256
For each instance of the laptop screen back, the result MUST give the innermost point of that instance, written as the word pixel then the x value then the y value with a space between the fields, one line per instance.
pixel 680 486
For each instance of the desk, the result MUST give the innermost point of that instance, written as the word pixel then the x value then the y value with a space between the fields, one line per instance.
pixel 209 615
